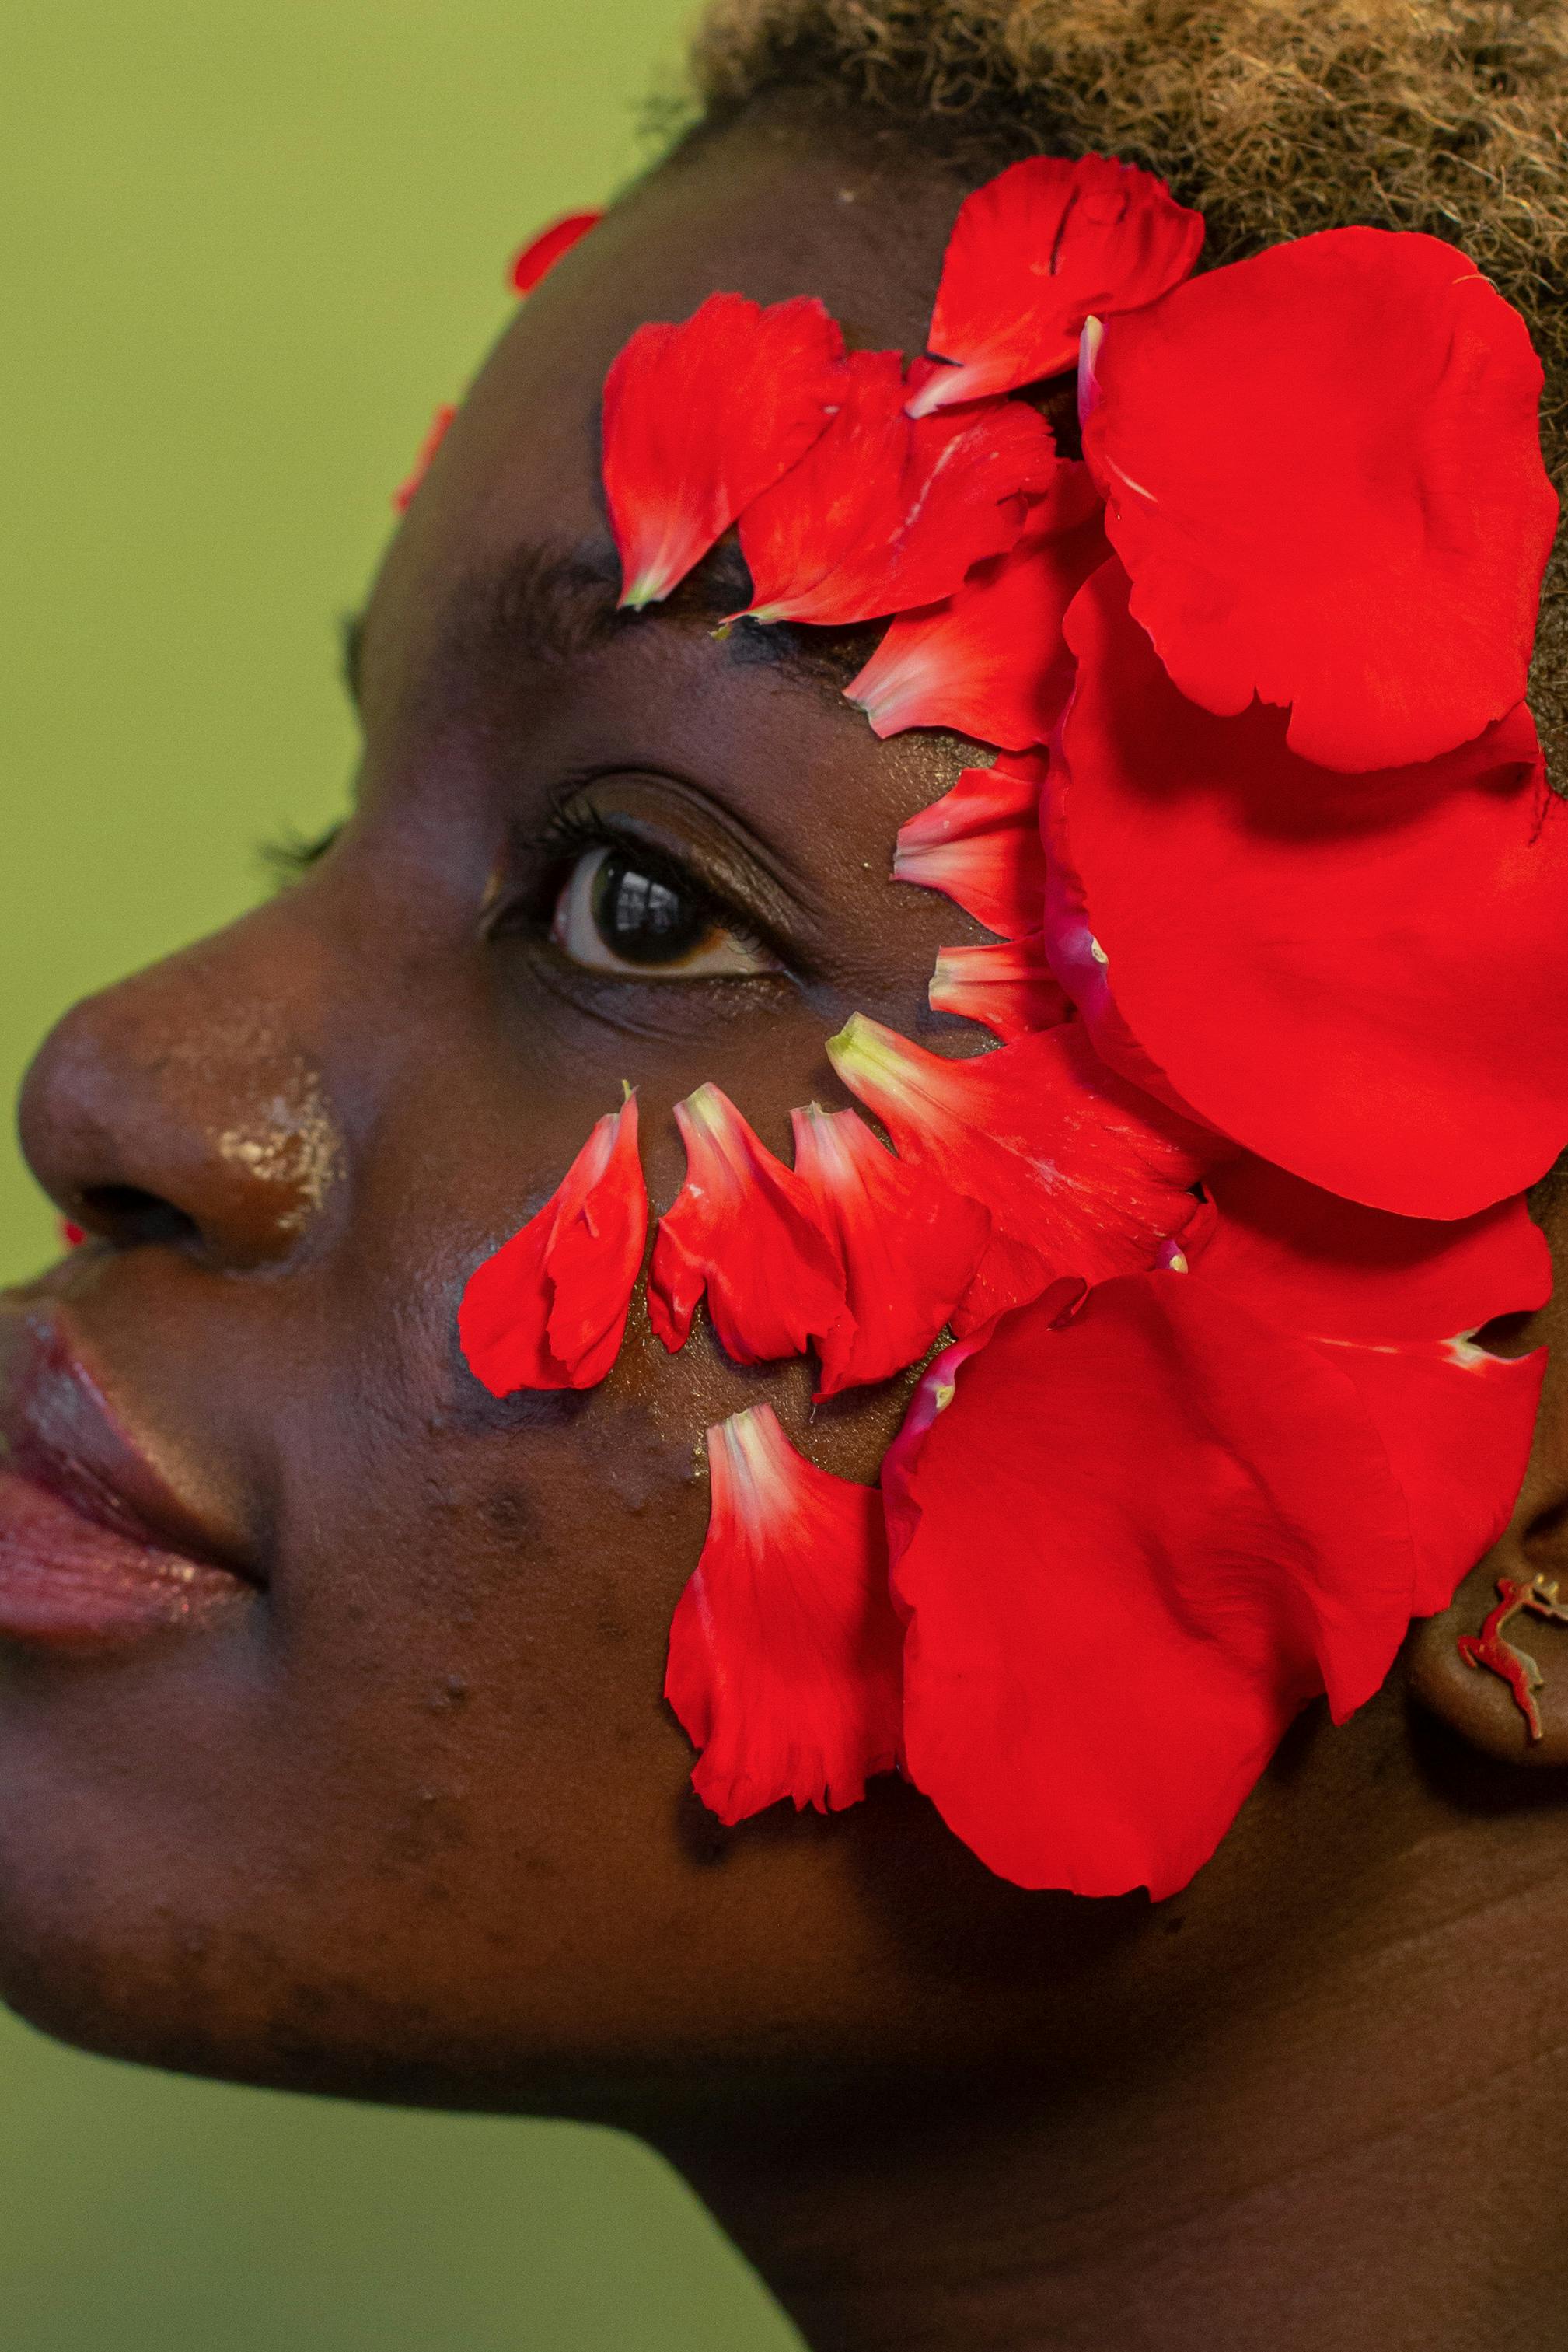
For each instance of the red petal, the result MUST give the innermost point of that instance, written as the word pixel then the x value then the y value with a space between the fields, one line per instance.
pixel 549 1310
pixel 1392 1301
pixel 1081 1174
pixel 71 1233
pixel 746 1229
pixel 1007 987
pixel 1361 981
pixel 1134 1544
pixel 1324 477
pixel 907 1243
pixel 980 846
pixel 540 255
pixel 440 425
pixel 1036 252
pixel 701 418
pixel 990 661
pixel 882 513
pixel 785 1653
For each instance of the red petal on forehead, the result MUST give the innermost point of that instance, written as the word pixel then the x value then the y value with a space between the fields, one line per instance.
pixel 907 1243
pixel 1323 474
pixel 441 424
pixel 1133 1545
pixel 979 845
pixel 1036 252
pixel 1080 1173
pixel 541 253
pixel 1360 980
pixel 990 660
pixel 880 514
pixel 701 418
pixel 785 1651
pixel 1006 986
pixel 549 1310
pixel 747 1230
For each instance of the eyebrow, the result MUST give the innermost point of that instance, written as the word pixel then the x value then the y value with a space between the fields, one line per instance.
pixel 560 603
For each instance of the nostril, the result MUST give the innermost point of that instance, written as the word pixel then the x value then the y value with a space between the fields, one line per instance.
pixel 131 1218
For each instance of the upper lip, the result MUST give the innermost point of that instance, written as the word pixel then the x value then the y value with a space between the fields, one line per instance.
pixel 58 1429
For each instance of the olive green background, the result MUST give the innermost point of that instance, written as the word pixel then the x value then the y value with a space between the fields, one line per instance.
pixel 245 247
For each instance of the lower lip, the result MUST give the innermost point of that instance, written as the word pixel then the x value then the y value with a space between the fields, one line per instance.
pixel 67 1584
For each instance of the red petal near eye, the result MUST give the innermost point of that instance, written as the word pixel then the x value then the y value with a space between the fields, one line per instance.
pixel 72 1235
pixel 540 256
pixel 1134 1544
pixel 1390 1300
pixel 880 514
pixel 979 845
pixel 785 1653
pixel 1038 250
pixel 1007 987
pixel 990 660
pixel 1081 1174
pixel 907 1243
pixel 701 418
pixel 747 1230
pixel 549 1310
pixel 440 425
pixel 1359 979
pixel 1323 474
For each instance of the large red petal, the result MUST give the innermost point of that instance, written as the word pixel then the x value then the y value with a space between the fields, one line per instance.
pixel 747 1230
pixel 701 418
pixel 785 1651
pixel 1081 1174
pixel 882 513
pixel 1360 980
pixel 989 660
pixel 1323 474
pixel 1036 252
pixel 1006 985
pixel 909 1245
pixel 1133 1545
pixel 979 845
pixel 541 253
pixel 548 1310
pixel 1392 1301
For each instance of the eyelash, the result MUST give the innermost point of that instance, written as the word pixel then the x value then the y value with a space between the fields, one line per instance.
pixel 571 831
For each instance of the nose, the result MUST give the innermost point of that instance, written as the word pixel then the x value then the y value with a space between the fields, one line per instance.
pixel 181 1106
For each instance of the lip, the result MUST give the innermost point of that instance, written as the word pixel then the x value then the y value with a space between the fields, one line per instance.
pixel 98 1548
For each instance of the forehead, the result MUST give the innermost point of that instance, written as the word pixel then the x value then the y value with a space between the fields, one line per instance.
pixel 772 207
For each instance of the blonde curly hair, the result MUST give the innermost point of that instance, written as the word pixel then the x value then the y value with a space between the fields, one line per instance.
pixel 1450 116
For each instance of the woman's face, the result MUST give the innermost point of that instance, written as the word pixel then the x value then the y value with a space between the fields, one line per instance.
pixel 402 1812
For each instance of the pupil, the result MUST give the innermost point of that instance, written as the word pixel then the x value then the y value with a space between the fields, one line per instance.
pixel 642 919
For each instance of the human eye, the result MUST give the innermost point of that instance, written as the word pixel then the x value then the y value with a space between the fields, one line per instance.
pixel 621 909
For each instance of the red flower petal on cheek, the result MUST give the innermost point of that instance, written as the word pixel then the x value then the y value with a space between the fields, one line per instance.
pixel 1360 980
pixel 747 1230
pixel 441 425
pixel 549 1310
pixel 1034 253
pixel 785 1653
pixel 909 1246
pixel 1324 477
pixel 701 418
pixel 1136 1544
pixel 1007 987
pixel 1390 1301
pixel 980 846
pixel 880 514
pixel 541 253
pixel 990 660
pixel 1082 1175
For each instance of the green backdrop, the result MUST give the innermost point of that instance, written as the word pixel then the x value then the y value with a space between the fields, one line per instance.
pixel 246 247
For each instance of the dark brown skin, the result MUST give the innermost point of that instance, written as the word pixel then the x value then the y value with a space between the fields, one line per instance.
pixel 412 1823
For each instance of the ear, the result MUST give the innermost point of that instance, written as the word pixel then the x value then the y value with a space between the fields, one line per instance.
pixel 1473 1700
